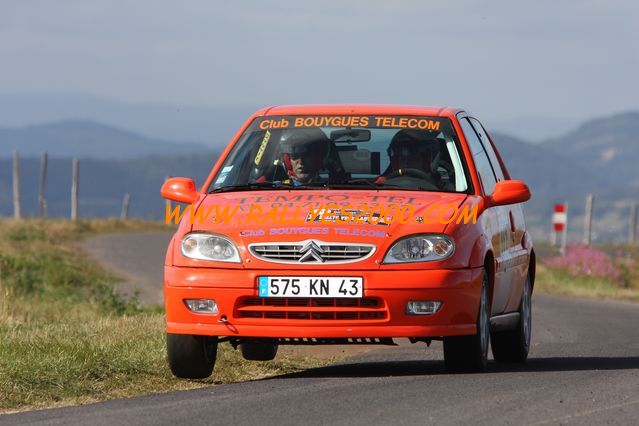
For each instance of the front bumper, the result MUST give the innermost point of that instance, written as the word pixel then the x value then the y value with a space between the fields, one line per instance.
pixel 459 290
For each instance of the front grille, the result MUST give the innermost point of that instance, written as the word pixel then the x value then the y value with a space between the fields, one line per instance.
pixel 326 253
pixel 310 308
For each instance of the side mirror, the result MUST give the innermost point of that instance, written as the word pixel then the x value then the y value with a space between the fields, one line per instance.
pixel 509 192
pixel 179 189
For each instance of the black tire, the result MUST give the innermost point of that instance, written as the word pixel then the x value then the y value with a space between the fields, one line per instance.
pixel 191 356
pixel 469 354
pixel 513 345
pixel 259 350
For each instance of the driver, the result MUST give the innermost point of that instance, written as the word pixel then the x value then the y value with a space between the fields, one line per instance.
pixel 304 152
pixel 409 149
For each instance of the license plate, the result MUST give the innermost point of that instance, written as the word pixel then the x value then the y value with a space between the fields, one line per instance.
pixel 310 286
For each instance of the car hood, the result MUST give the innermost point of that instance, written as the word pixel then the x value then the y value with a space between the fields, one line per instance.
pixel 260 216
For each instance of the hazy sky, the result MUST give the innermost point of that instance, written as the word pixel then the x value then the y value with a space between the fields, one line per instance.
pixel 501 59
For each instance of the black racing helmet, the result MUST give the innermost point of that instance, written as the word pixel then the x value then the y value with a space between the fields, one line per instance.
pixel 412 142
pixel 311 142
pixel 304 141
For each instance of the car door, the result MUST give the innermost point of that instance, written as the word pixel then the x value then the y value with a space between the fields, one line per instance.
pixel 494 220
pixel 517 259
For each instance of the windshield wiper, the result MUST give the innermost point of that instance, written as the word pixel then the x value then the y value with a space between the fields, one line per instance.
pixel 252 186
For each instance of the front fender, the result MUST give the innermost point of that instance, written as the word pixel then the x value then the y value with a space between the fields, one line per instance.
pixel 481 247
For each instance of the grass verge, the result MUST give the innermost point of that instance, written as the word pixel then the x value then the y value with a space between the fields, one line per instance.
pixel 603 271
pixel 66 337
pixel 553 281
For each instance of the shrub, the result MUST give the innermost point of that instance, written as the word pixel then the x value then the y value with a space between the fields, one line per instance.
pixel 582 260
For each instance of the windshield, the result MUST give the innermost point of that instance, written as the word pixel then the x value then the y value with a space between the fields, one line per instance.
pixel 383 152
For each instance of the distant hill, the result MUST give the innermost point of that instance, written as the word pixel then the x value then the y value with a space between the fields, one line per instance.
pixel 549 173
pixel 608 146
pixel 211 125
pixel 532 129
pixel 87 139
pixel 598 157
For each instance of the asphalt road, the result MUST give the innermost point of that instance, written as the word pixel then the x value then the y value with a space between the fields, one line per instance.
pixel 136 257
pixel 583 369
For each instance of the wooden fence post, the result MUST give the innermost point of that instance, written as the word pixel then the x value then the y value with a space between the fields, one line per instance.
pixel 564 235
pixel 17 212
pixel 42 202
pixel 124 214
pixel 588 220
pixel 633 224
pixel 74 190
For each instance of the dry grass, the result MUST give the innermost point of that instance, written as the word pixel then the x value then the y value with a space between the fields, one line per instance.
pixel 60 230
pixel 88 357
pixel 552 281
pixel 66 337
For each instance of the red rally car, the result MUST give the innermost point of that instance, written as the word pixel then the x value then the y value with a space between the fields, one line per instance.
pixel 347 224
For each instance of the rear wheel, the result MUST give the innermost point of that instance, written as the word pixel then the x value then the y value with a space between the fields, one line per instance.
pixel 191 356
pixel 259 350
pixel 469 353
pixel 513 345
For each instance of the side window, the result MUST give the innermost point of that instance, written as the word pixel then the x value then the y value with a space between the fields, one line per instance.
pixel 488 147
pixel 482 164
pixel 474 143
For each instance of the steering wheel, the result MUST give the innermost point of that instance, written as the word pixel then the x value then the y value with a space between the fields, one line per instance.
pixel 412 177
pixel 413 173
pixel 448 167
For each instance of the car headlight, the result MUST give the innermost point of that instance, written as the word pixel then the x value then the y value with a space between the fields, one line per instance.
pixel 420 248
pixel 209 247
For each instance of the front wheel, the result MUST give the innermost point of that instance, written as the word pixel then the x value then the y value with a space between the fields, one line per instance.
pixel 513 345
pixel 469 354
pixel 191 356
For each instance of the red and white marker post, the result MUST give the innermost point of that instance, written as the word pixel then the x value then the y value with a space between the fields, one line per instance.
pixel 560 225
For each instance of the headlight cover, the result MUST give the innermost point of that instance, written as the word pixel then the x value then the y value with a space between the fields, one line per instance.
pixel 209 247
pixel 420 248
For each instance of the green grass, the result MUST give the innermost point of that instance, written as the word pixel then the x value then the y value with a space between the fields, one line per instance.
pixel 66 337
pixel 40 262
pixel 88 357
